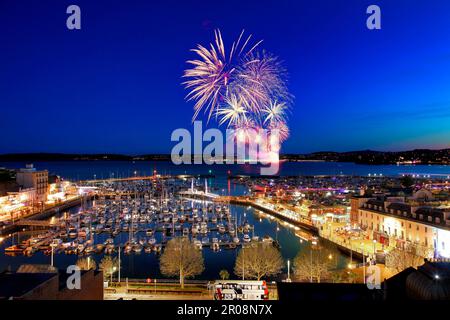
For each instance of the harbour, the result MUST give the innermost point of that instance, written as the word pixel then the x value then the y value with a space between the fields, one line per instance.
pixel 138 225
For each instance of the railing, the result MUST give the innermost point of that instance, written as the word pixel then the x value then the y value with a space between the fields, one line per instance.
pixel 344 244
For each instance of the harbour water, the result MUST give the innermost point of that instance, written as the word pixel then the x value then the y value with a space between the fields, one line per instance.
pixel 82 170
pixel 147 265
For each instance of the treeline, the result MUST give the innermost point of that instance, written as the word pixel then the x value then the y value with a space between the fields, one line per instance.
pixel 79 157
pixel 424 156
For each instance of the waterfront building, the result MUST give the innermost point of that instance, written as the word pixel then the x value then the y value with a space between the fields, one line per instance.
pixel 356 202
pixel 16 203
pixel 29 177
pixel 400 222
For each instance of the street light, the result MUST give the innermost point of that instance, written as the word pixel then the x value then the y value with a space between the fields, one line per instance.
pixel 119 266
pixel 364 265
pixel 313 243
pixel 53 248
pixel 289 271
pixel 113 270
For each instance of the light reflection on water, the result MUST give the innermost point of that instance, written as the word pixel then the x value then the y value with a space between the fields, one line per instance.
pixel 147 265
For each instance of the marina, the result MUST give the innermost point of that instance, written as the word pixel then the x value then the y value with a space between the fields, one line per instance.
pixel 138 226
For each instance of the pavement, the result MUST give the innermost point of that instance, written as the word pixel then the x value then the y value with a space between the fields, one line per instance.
pixel 126 296
pixel 359 244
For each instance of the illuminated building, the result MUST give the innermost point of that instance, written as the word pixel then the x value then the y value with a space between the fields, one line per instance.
pixel 395 223
pixel 356 203
pixel 16 202
pixel 29 177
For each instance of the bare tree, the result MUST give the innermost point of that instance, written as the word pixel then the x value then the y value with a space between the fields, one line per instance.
pixel 86 263
pixel 314 265
pixel 412 255
pixel 351 276
pixel 181 258
pixel 224 274
pixel 108 265
pixel 398 260
pixel 258 261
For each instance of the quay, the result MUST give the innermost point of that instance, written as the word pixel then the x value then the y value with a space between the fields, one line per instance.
pixel 346 248
pixel 36 218
pixel 301 223
pixel 241 201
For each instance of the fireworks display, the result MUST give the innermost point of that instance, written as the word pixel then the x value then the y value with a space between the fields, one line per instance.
pixel 244 89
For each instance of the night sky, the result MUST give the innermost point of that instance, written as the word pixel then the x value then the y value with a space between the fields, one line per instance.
pixel 115 85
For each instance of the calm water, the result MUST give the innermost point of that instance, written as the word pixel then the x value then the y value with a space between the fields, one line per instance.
pixel 81 170
pixel 147 265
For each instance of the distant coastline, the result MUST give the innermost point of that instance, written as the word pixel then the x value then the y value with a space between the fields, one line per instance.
pixel 417 156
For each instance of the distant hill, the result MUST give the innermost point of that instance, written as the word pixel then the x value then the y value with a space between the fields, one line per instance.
pixel 424 156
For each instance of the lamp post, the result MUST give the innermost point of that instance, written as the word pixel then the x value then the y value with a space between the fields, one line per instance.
pixel 374 248
pixel 51 259
pixel 351 252
pixel 112 272
pixel 313 243
pixel 243 263
pixel 289 271
pixel 119 265
pixel 364 265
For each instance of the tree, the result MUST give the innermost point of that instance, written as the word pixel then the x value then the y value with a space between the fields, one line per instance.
pixel 109 265
pixel 407 181
pixel 258 261
pixel 412 255
pixel 181 258
pixel 336 277
pixel 312 265
pixel 351 276
pixel 86 263
pixel 224 274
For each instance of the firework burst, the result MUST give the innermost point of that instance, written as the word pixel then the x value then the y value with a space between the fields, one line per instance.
pixel 244 89
pixel 211 76
pixel 280 129
pixel 234 111
pixel 274 112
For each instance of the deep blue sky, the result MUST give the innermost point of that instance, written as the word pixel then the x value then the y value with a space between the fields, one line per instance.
pixel 114 86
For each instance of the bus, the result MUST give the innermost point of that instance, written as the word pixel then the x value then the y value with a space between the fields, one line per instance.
pixel 240 290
